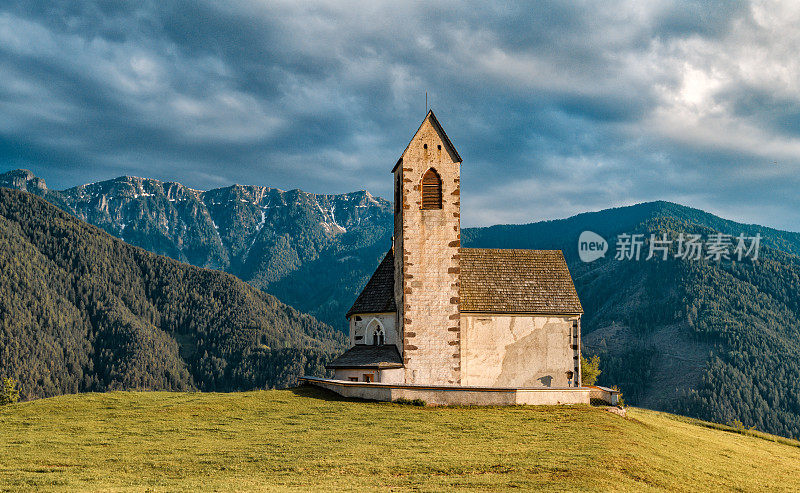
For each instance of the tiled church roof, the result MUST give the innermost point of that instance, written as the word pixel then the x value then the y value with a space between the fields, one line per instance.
pixel 517 281
pixel 366 356
pixel 492 281
pixel 378 294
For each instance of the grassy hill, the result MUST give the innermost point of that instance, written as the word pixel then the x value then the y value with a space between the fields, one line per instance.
pixel 563 233
pixel 83 311
pixel 306 439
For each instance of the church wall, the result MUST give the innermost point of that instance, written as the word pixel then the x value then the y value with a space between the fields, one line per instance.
pixel 393 376
pixel 467 396
pixel 389 375
pixel 397 247
pixel 427 259
pixel 358 328
pixel 500 350
pixel 357 373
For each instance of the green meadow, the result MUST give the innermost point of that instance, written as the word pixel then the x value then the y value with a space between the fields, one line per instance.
pixel 306 439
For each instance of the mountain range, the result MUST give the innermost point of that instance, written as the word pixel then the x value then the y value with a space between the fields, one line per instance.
pixel 713 339
pixel 314 252
pixel 719 340
pixel 83 311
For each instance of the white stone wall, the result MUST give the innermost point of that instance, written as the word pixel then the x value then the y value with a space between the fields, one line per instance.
pixel 360 335
pixel 358 374
pixel 392 375
pixel 427 263
pixel 457 396
pixel 499 350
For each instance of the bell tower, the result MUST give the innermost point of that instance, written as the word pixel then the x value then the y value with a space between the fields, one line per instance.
pixel 427 239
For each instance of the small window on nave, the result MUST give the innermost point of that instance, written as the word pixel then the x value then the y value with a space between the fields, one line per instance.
pixel 378 338
pixel 375 334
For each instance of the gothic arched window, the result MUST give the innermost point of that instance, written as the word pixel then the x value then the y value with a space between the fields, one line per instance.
pixel 431 190
pixel 378 338
pixel 375 334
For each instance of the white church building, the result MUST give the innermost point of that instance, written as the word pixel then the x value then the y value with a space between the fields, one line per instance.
pixel 436 317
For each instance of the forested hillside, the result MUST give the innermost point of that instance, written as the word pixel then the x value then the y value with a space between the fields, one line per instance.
pixel 271 238
pixel 83 311
pixel 715 340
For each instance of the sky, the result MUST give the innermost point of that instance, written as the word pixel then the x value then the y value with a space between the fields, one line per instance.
pixel 556 107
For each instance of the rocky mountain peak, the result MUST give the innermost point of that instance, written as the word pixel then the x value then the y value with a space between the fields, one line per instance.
pixel 23 179
pixel 261 234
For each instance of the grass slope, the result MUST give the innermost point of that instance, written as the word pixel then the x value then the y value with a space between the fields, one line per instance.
pixel 306 439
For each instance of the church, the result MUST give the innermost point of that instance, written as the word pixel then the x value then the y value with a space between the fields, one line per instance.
pixel 439 315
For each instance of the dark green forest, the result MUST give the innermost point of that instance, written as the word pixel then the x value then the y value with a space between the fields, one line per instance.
pixel 314 252
pixel 745 315
pixel 716 340
pixel 750 312
pixel 83 311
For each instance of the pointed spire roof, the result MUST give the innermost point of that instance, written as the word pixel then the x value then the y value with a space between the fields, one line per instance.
pixel 445 139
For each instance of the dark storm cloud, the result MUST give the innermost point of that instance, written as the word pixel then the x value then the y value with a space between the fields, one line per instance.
pixel 558 107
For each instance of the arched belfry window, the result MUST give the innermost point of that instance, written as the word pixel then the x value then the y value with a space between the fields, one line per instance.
pixel 431 190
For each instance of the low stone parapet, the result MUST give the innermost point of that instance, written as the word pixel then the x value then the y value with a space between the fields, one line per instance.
pixel 605 394
pixel 454 395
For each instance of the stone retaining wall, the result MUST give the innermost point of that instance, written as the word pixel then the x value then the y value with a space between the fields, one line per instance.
pixel 460 396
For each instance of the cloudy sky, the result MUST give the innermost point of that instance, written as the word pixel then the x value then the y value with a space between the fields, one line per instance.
pixel 557 108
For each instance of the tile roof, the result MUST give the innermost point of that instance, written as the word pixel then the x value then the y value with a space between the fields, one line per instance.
pixel 517 281
pixel 378 295
pixel 364 356
pixel 493 280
